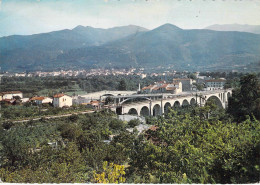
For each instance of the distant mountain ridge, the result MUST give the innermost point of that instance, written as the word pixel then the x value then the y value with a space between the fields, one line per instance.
pixel 19 52
pixel 131 46
pixel 235 27
pixel 169 45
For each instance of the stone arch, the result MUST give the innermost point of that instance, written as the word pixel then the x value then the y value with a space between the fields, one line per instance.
pixel 107 95
pixel 176 104
pixel 156 110
pixel 192 102
pixel 133 111
pixel 144 111
pixel 119 110
pixel 185 103
pixel 166 107
pixel 127 100
pixel 216 100
pixel 228 95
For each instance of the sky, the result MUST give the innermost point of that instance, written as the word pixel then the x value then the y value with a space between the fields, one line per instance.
pixel 25 17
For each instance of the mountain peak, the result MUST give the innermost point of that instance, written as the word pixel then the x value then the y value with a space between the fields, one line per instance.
pixel 78 27
pixel 168 26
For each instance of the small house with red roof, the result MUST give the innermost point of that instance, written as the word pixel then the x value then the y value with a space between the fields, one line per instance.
pixel 163 87
pixel 62 100
pixel 10 95
pixel 41 100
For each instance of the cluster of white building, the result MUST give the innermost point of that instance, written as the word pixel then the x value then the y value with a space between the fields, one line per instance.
pixel 93 100
pixel 163 87
pixel 179 85
pixel 58 100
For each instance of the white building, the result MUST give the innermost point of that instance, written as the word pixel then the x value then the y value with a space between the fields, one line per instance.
pixel 163 87
pixel 214 84
pixel 24 100
pixel 61 100
pixel 187 83
pixel 10 95
pixel 41 100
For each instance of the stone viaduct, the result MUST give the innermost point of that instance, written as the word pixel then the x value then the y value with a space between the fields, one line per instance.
pixel 157 104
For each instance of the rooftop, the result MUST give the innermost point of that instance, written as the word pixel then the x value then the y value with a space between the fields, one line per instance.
pixel 10 92
pixel 216 80
pixel 58 95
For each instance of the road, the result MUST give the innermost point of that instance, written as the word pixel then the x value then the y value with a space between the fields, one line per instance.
pixel 51 117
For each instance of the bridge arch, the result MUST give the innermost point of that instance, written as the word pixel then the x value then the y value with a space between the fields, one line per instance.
pixel 107 95
pixel 144 111
pixel 135 98
pixel 133 111
pixel 228 95
pixel 156 110
pixel 176 104
pixel 215 100
pixel 185 103
pixel 167 105
pixel 192 102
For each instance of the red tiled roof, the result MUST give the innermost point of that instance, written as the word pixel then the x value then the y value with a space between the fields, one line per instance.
pixel 10 92
pixel 148 87
pixel 215 80
pixel 144 88
pixel 38 98
pixel 163 86
pixel 161 82
pixel 170 88
pixel 9 100
pixel 6 100
pixel 58 95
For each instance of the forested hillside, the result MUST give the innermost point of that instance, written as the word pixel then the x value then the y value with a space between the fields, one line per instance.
pixel 131 46
pixel 186 145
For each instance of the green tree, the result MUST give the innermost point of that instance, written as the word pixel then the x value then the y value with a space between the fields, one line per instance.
pixel 198 86
pixel 112 173
pixel 245 99
pixel 122 85
pixel 205 150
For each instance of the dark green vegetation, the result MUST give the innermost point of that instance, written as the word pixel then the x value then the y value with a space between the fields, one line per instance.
pixel 29 111
pixel 246 99
pixel 187 145
pixel 49 86
pixel 131 46
pixel 63 150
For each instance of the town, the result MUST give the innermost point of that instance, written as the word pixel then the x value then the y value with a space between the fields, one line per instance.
pixel 178 86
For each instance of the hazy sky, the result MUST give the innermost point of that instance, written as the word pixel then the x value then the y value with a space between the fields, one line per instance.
pixel 25 17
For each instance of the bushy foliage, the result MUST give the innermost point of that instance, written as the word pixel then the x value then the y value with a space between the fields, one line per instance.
pixel 205 150
pixel 112 173
pixel 245 99
pixel 186 145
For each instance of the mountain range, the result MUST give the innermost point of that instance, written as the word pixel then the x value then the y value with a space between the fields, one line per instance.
pixel 130 46
pixel 235 27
